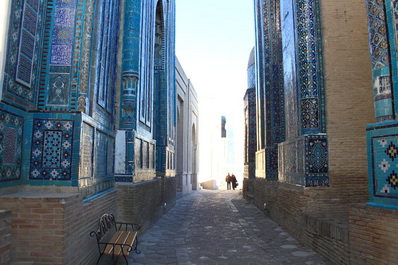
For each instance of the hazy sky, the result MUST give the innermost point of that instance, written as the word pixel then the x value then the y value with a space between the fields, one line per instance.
pixel 213 42
pixel 214 39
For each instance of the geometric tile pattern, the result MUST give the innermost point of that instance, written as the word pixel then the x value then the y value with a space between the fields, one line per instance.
pixel 250 127
pixel 62 40
pixel 276 93
pixel 160 107
pixel 63 32
pixel 381 54
pixel 393 47
pixel 130 67
pixel 272 162
pixel 270 90
pixel 260 10
pixel 27 42
pixel 309 113
pixel 11 130
pixel 264 48
pixel 385 166
pixel 52 150
pixel 378 34
pixel 394 7
pixel 21 69
pixel 51 154
pixel 316 160
pixel 61 55
pixel 309 66
pixel 290 70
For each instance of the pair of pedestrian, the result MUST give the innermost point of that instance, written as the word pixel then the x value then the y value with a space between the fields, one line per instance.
pixel 231 180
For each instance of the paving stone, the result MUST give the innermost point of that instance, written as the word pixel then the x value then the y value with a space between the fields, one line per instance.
pixel 219 227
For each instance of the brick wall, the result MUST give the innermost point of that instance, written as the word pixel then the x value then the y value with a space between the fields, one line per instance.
pixel 373 235
pixel 54 229
pixel 145 202
pixel 82 218
pixel 5 236
pixel 327 237
pixel 298 210
pixel 318 217
pixel 170 190
pixel 37 228
pixel 349 100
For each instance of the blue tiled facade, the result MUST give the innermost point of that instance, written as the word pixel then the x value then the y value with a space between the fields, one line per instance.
pixel 269 87
pixel 51 153
pixel 381 61
pixel 11 140
pixel 250 120
pixel 383 162
pixel 382 137
pixel 58 117
pixel 148 106
pixel 290 92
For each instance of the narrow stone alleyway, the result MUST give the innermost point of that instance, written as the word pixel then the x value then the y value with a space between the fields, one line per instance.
pixel 219 227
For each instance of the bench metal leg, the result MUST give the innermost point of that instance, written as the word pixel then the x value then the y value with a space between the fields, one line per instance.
pixel 136 246
pixel 126 260
pixel 114 261
pixel 99 259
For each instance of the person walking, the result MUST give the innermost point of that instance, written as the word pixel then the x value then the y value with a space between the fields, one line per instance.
pixel 234 181
pixel 228 180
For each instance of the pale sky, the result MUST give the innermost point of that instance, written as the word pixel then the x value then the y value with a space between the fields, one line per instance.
pixel 213 43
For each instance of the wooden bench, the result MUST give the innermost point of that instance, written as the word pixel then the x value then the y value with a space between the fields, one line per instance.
pixel 121 243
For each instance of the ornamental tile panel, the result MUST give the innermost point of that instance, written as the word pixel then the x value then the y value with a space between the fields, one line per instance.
pixel 11 130
pixel 86 153
pixel 22 59
pixel 51 154
pixel 27 45
pixel 309 66
pixel 316 160
pixel 378 34
pixel 385 166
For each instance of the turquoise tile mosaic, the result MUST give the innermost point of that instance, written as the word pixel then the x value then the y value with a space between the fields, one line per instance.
pixel 383 162
pixel 304 161
pixel 310 67
pixel 11 139
pixel 51 157
pixel 316 160
pixel 269 89
pixel 23 53
pixel 380 58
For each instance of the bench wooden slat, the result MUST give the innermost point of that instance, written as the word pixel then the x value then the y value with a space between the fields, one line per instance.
pixel 120 237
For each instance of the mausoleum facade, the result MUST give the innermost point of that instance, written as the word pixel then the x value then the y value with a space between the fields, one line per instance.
pixel 87 121
pixel 326 124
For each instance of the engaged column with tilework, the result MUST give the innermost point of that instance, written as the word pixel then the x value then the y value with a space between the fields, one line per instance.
pixel 303 156
pixel 124 166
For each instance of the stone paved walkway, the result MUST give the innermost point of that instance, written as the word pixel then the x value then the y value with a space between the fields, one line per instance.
pixel 219 227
